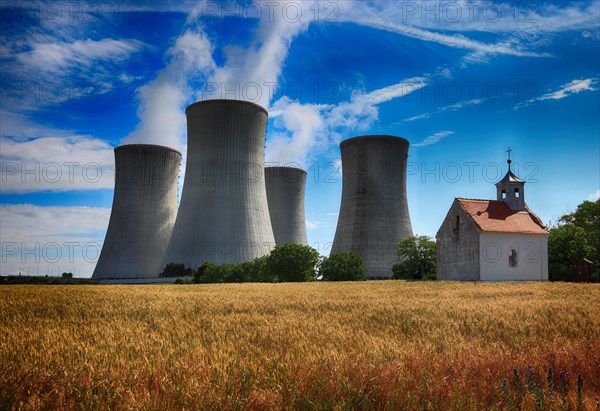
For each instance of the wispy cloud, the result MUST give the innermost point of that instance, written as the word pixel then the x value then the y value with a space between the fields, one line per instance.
pixel 59 56
pixel 434 138
pixel 313 224
pixel 452 107
pixel 361 111
pixel 50 240
pixel 460 105
pixel 388 16
pixel 302 129
pixel 573 87
pixel 594 196
pixel 415 118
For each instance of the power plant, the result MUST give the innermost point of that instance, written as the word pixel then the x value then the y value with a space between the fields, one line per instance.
pixel 233 209
pixel 285 195
pixel 223 214
pixel 374 209
pixel 143 212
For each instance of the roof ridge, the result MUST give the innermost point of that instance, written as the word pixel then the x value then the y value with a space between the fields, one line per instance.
pixel 536 218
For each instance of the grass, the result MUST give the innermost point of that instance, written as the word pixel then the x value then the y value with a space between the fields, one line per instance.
pixel 384 345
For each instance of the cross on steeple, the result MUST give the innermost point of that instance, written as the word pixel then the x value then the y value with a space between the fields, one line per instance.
pixel 511 189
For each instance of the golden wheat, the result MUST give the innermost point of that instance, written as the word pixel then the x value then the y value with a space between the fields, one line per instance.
pixel 386 345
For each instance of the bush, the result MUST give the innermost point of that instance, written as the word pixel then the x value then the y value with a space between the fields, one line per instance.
pixel 419 262
pixel 292 263
pixel 176 270
pixel 221 273
pixel 255 271
pixel 345 266
pixel 201 270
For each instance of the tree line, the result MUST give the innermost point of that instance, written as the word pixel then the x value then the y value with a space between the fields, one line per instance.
pixel 302 263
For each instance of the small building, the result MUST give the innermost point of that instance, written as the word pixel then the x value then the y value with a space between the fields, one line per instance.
pixel 493 240
pixel 581 271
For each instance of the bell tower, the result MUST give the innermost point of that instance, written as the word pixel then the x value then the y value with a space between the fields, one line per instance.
pixel 511 189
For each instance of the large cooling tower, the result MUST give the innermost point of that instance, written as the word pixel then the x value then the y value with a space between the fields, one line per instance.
pixel 143 212
pixel 285 193
pixel 223 215
pixel 374 210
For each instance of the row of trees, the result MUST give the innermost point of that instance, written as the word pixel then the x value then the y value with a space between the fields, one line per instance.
pixel 286 263
pixel 300 263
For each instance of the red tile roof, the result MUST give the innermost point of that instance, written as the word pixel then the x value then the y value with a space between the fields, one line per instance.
pixel 495 215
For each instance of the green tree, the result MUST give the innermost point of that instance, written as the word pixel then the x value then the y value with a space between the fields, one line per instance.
pixel 418 253
pixel 292 263
pixel 344 266
pixel 587 217
pixel 217 273
pixel 567 244
pixel 199 273
pixel 175 270
pixel 255 271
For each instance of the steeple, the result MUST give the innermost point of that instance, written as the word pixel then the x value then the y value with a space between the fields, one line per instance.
pixel 511 189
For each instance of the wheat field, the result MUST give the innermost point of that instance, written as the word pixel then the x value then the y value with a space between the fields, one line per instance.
pixel 371 345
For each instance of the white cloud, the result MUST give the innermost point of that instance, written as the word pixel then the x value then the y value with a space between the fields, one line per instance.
pixel 313 225
pixel 56 164
pixel 253 73
pixel 304 131
pixel 59 56
pixel 162 118
pixel 460 105
pixel 388 16
pixel 18 126
pixel 303 128
pixel 452 107
pixel 361 111
pixel 594 196
pixel 50 240
pixel 434 138
pixel 415 118
pixel 572 87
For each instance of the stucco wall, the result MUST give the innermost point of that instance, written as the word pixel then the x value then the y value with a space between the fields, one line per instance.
pixel 457 250
pixel 532 257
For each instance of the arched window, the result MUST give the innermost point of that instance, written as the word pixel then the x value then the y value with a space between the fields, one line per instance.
pixel 517 192
pixel 503 194
pixel 512 258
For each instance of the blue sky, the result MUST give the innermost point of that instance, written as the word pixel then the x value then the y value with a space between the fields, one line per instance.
pixel 461 81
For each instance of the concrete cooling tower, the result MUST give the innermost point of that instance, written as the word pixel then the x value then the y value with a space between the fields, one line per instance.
pixel 374 210
pixel 143 212
pixel 285 194
pixel 223 215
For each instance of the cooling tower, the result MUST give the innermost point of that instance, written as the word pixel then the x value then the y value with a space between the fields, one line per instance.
pixel 223 214
pixel 285 194
pixel 374 210
pixel 143 212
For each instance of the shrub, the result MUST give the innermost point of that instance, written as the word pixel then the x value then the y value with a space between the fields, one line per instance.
pixel 199 273
pixel 292 263
pixel 345 266
pixel 255 271
pixel 175 270
pixel 217 273
pixel 419 262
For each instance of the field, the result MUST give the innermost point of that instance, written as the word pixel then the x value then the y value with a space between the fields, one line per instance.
pixel 383 345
